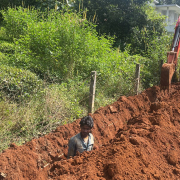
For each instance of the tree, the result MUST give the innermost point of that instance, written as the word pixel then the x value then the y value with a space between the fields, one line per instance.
pixel 6 3
pixel 38 4
pixel 169 2
pixel 119 17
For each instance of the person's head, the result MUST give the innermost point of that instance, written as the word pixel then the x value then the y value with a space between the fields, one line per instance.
pixel 86 124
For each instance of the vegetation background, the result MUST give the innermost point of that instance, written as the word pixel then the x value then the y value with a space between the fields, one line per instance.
pixel 48 49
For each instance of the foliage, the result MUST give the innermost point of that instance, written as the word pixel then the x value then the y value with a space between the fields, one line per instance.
pixel 119 17
pixel 151 42
pixel 62 46
pixel 38 4
pixel 17 83
pixel 154 29
pixel 157 52
pixel 169 2
pixel 3 58
pixel 6 47
pixel 17 21
pixel 3 36
pixel 46 4
pixel 5 3
pixel 53 106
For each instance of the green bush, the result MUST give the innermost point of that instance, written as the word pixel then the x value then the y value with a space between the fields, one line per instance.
pixel 7 51
pixel 17 21
pixel 17 83
pixel 6 47
pixel 3 34
pixel 157 49
pixel 3 58
pixel 66 47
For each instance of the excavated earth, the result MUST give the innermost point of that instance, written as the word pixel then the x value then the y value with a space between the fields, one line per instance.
pixel 138 138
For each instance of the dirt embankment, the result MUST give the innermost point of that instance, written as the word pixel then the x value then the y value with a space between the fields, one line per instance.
pixel 138 138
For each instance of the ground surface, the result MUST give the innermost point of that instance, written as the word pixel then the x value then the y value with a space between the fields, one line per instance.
pixel 138 138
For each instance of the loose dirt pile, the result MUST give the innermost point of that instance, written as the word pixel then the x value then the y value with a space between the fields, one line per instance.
pixel 138 138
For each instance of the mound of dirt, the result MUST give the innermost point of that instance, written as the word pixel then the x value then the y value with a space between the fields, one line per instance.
pixel 138 138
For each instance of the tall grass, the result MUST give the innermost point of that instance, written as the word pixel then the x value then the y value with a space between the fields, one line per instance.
pixel 53 106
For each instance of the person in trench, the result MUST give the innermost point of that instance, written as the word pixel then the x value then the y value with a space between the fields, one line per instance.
pixel 83 141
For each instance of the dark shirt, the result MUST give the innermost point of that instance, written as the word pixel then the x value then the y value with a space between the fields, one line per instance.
pixel 76 143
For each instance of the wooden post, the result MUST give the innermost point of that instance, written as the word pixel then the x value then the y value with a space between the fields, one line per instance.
pixel 137 78
pixel 160 67
pixel 161 63
pixel 92 92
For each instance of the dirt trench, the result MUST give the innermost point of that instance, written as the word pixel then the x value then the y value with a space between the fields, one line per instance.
pixel 138 138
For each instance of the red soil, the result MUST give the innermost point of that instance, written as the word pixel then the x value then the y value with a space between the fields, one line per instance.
pixel 138 138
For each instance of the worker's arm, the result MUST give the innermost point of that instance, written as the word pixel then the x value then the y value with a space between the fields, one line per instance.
pixel 72 148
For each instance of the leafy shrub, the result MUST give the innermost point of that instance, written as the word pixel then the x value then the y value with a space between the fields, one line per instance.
pixel 157 49
pixel 17 83
pixel 7 50
pixel 3 58
pixel 6 47
pixel 64 46
pixel 3 34
pixel 17 21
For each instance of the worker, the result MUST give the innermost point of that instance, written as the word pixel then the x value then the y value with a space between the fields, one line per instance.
pixel 84 140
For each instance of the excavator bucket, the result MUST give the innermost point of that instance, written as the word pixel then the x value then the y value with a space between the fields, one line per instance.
pixel 167 72
pixel 168 69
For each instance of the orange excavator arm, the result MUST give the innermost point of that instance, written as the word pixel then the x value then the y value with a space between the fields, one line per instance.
pixel 168 68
